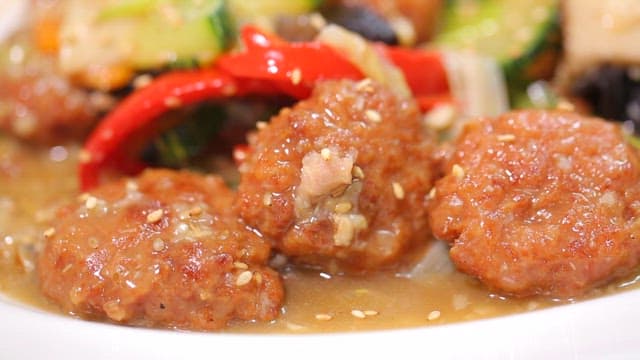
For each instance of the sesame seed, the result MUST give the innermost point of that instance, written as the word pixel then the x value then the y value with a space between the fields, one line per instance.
pixel 373 116
pixel 370 312
pixel 435 314
pixel 565 105
pixel 158 244
pixel 131 186
pixel 240 265
pixel 457 171
pixel 142 81
pixel 261 125
pixel 91 202
pixel 441 117
pixel 267 199
pixel 325 153
pixel 357 172
pixel 172 102
pixel 343 207
pixel 296 76
pixel 49 232
pixel 244 278
pixel 364 85
pixel 67 268
pixel 398 190
pixel 432 193
pixel 358 313
pixel 323 317
pixel 258 278
pixel 155 216
pixel 195 211
pixel 506 137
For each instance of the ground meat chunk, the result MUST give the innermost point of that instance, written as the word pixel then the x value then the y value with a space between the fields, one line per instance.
pixel 340 179
pixel 541 202
pixel 160 250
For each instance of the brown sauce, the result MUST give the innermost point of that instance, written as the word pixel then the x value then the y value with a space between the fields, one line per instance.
pixel 34 180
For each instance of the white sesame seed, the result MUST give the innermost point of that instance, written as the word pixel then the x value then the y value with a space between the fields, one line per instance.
pixel 432 193
pixel 364 85
pixel 398 190
pixel 370 312
pixel 457 171
pixel 325 153
pixel 49 232
pixel 131 186
pixel 240 265
pixel 244 278
pixel 296 76
pixel 441 117
pixel 155 216
pixel 172 102
pixel 323 317
pixel 91 202
pixel 506 137
pixel 343 207
pixel 435 314
pixel 258 278
pixel 357 172
pixel 373 116
pixel 261 125
pixel 358 313
pixel 158 244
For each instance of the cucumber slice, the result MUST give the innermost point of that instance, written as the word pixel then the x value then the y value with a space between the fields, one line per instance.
pixel 523 35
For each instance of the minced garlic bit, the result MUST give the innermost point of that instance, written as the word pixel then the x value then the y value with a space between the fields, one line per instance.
pixel 358 313
pixel 434 315
pixel 91 202
pixel 357 172
pixel 244 278
pixel 373 116
pixel 158 244
pixel 323 317
pixel 172 102
pixel 296 76
pixel 398 190
pixel 325 153
pixel 155 216
pixel 457 171
pixel 506 137
pixel 49 232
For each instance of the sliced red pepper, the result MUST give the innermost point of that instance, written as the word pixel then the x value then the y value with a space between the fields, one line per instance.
pixel 268 66
pixel 108 143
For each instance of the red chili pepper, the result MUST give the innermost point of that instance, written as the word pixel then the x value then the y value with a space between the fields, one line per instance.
pixel 268 66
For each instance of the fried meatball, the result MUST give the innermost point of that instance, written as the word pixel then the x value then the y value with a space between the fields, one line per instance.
pixel 340 180
pixel 541 202
pixel 160 250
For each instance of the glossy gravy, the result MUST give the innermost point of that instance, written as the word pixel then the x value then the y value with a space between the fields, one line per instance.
pixel 33 181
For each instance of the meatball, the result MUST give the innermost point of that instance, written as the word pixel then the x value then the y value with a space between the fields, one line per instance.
pixel 340 180
pixel 161 250
pixel 541 203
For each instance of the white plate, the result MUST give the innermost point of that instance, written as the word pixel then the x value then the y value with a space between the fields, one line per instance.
pixel 605 328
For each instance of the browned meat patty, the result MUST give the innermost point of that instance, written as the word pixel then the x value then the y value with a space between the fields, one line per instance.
pixel 542 203
pixel 340 179
pixel 160 250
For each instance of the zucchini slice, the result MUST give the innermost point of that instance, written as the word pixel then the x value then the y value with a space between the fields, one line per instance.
pixel 523 35
pixel 250 9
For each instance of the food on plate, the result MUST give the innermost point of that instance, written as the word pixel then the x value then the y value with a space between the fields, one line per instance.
pixel 314 166
pixel 163 249
pixel 540 203
pixel 340 180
